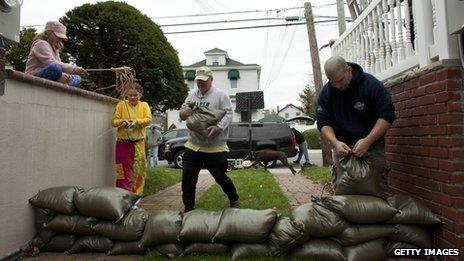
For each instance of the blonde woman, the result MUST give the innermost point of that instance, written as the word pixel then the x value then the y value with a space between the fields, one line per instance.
pixel 131 117
pixel 44 56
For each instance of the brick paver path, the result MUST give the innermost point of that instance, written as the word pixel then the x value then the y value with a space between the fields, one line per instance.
pixel 171 197
pixel 298 189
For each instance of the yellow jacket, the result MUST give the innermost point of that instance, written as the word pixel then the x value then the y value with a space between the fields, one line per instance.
pixel 124 112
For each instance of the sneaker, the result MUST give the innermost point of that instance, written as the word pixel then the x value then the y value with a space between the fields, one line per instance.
pixel 296 161
pixel 308 164
pixel 235 204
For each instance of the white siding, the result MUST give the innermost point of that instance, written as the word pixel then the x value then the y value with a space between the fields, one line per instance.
pixel 292 112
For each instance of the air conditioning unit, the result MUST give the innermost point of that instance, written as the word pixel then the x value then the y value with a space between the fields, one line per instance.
pixel 9 19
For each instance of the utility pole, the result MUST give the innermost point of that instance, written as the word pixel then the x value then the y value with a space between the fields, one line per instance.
pixel 341 17
pixel 317 73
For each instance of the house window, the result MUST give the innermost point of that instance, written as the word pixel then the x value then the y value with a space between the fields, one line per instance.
pixel 287 115
pixel 216 63
pixel 190 84
pixel 233 83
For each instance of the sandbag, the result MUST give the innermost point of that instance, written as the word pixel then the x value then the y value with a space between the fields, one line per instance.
pixel 373 250
pixel 249 250
pixel 91 244
pixel 59 199
pixel 391 246
pixel 354 235
pixel 413 235
pixel 107 203
pixel 75 225
pixel 202 118
pixel 360 209
pixel 205 248
pixel 60 243
pixel 359 176
pixel 167 250
pixel 199 226
pixel 130 228
pixel 42 216
pixel 245 225
pixel 317 220
pixel 163 227
pixel 285 236
pixel 411 211
pixel 320 249
pixel 127 248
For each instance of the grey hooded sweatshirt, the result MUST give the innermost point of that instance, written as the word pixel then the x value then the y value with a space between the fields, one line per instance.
pixel 216 99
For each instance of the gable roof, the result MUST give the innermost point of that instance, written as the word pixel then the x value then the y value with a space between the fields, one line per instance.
pixel 229 62
pixel 288 105
pixel 215 50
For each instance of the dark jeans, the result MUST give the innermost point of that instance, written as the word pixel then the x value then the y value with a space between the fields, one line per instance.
pixel 216 163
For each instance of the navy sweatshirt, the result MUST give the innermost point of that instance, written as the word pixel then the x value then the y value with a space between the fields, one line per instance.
pixel 353 112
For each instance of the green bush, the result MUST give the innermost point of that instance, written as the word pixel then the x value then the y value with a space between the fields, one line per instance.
pixel 313 138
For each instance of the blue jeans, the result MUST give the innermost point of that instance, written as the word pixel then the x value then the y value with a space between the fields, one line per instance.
pixel 303 150
pixel 152 157
pixel 53 72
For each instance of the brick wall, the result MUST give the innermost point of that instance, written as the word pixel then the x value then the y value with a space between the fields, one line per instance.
pixel 425 146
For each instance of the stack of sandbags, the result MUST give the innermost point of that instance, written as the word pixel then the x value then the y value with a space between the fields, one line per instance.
pixel 76 220
pixel 359 227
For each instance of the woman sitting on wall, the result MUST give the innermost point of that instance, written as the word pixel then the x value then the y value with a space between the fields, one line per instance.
pixel 44 57
pixel 130 118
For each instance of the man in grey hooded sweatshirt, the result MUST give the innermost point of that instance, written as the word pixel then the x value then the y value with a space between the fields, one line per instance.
pixel 211 151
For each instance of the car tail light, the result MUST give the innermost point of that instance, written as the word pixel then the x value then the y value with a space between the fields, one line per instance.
pixel 293 141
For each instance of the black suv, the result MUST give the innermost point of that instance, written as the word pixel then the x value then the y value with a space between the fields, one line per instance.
pixel 276 136
pixel 169 135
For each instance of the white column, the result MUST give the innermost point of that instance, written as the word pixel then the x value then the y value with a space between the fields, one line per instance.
pixel 381 37
pixel 407 21
pixel 393 32
pixel 371 44
pixel 423 12
pixel 399 23
pixel 387 34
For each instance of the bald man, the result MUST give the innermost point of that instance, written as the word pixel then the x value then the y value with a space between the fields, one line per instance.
pixel 354 112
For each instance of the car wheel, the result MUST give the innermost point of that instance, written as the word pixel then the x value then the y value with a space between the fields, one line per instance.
pixel 178 157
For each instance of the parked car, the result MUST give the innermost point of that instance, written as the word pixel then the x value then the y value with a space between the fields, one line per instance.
pixel 276 136
pixel 169 135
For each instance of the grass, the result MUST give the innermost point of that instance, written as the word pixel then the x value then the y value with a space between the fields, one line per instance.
pixel 257 189
pixel 160 178
pixel 320 175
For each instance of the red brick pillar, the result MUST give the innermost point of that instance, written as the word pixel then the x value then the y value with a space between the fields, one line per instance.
pixel 425 146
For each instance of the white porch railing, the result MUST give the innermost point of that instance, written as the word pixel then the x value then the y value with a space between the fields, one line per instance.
pixel 391 36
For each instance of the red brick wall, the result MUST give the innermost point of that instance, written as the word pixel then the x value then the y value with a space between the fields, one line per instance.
pixel 425 146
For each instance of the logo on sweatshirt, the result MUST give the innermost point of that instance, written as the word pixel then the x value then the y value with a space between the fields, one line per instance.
pixel 359 106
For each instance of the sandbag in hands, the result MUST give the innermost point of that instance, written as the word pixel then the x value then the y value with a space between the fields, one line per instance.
pixel 203 118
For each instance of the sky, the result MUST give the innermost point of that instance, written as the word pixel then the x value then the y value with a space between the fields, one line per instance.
pixel 282 52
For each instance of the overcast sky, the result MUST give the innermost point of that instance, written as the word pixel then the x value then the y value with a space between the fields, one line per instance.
pixel 285 62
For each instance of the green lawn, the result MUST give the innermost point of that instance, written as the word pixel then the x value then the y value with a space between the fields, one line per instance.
pixel 160 178
pixel 257 189
pixel 318 174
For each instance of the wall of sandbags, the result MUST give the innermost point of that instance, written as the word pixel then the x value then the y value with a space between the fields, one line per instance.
pixel 50 135
pixel 425 145
pixel 340 227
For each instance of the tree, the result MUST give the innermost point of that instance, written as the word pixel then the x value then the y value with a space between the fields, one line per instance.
pixel 308 101
pixel 16 54
pixel 115 34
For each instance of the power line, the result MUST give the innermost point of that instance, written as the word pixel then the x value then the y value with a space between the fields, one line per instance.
pixel 224 21
pixel 226 7
pixel 234 12
pixel 248 27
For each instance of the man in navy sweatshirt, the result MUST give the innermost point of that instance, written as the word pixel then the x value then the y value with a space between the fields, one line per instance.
pixel 354 112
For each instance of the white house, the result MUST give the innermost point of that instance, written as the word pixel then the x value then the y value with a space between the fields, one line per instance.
pixel 229 75
pixel 290 111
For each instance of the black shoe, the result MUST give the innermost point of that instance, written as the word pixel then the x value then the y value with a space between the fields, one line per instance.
pixel 188 209
pixel 235 204
pixel 308 164
pixel 296 161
